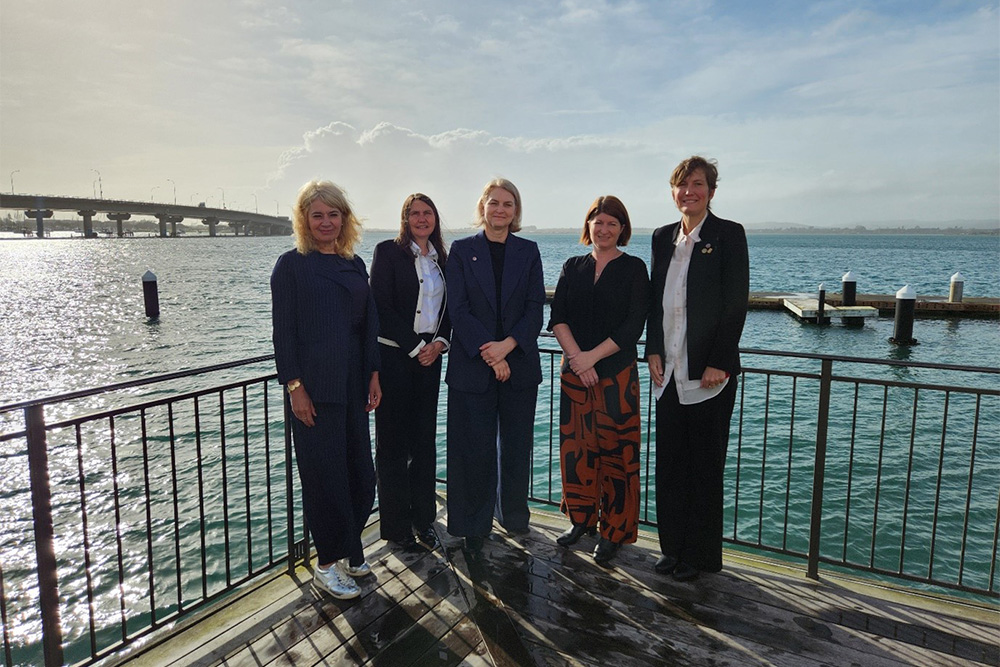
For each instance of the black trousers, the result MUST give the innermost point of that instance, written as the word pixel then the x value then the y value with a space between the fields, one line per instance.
pixel 405 443
pixel 490 436
pixel 334 459
pixel 691 443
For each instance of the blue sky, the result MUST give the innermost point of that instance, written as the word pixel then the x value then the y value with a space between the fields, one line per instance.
pixel 823 113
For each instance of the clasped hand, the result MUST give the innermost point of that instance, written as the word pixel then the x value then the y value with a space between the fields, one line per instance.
pixel 429 353
pixel 582 364
pixel 494 353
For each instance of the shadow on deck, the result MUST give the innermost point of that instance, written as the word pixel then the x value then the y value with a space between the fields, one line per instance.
pixel 527 601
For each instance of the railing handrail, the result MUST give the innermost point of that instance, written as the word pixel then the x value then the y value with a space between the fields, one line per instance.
pixel 166 377
pixel 118 386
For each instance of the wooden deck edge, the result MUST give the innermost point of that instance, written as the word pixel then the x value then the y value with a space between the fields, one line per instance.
pixel 170 642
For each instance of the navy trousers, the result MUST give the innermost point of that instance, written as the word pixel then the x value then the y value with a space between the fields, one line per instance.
pixel 334 459
pixel 490 436
pixel 691 443
pixel 405 443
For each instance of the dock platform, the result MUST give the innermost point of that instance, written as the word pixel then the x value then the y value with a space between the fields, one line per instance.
pixel 528 601
pixel 807 308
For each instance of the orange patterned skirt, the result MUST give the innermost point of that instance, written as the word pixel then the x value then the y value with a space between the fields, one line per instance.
pixel 599 431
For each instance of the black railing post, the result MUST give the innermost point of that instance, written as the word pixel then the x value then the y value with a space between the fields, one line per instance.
pixel 45 554
pixel 819 469
pixel 289 508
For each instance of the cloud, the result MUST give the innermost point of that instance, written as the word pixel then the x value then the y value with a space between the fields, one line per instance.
pixel 818 113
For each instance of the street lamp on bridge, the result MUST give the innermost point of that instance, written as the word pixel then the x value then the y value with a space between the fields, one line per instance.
pixel 12 180
pixel 223 197
pixel 151 190
pixel 99 181
pixel 255 202
pixel 175 190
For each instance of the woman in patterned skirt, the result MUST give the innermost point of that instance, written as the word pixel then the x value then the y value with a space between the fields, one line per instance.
pixel 598 314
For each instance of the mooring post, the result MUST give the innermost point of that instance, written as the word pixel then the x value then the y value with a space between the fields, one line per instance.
pixel 906 305
pixel 849 290
pixel 822 304
pixel 150 294
pixel 957 287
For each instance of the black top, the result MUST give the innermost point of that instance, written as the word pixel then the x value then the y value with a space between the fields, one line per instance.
pixel 614 307
pixel 498 251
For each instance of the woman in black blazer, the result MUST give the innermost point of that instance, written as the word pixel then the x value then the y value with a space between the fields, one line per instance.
pixel 700 278
pixel 410 292
pixel 324 330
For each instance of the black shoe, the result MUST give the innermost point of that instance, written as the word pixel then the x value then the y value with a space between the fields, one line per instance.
pixel 685 572
pixel 605 551
pixel 573 535
pixel 428 538
pixel 666 564
pixel 404 544
pixel 474 544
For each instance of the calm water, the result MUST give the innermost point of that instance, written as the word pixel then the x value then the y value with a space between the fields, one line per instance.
pixel 71 317
pixel 71 313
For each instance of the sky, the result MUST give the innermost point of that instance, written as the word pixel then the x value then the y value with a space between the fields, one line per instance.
pixel 828 112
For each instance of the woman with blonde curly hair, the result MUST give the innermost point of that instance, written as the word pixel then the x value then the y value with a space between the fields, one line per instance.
pixel 325 331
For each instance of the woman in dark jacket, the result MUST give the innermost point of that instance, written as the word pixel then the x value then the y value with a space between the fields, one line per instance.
pixel 410 292
pixel 700 287
pixel 325 348
pixel 495 299
pixel 598 313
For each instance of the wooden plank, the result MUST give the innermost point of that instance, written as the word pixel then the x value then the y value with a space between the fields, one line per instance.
pixel 786 632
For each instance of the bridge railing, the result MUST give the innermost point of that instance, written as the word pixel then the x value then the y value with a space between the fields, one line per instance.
pixel 125 507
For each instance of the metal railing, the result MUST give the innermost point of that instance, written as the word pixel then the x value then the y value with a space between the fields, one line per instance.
pixel 146 508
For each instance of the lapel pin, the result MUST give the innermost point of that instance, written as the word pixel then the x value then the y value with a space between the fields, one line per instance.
pixel 707 250
pixel 474 258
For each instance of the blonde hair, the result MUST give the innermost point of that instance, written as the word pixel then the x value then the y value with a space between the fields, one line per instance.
pixel 503 184
pixel 333 196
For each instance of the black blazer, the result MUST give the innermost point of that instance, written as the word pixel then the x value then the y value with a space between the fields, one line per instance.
pixel 311 326
pixel 473 309
pixel 396 287
pixel 718 291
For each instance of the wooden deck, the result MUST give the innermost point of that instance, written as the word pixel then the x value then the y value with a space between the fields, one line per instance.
pixel 527 601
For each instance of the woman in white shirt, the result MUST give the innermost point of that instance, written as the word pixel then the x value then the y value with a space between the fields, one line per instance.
pixel 700 279
pixel 407 279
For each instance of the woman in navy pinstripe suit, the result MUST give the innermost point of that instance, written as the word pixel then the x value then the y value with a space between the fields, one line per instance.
pixel 324 329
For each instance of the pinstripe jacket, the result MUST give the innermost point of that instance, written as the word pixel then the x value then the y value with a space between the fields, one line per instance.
pixel 311 305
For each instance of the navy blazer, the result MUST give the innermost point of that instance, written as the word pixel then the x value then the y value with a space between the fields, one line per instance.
pixel 473 310
pixel 718 292
pixel 396 287
pixel 311 329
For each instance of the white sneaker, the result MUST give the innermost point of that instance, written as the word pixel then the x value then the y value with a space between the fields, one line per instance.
pixel 362 570
pixel 335 581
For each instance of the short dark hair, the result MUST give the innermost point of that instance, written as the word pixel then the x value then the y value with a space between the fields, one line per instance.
pixel 614 207
pixel 692 164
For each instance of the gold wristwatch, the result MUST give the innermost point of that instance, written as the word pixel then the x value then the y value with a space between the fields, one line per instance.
pixel 293 385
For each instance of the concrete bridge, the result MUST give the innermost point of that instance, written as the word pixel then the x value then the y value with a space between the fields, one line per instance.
pixel 41 207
